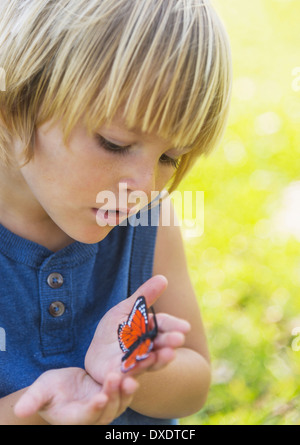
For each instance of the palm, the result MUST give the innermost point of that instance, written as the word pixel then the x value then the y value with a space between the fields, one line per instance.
pixel 74 389
pixel 105 349
pixel 69 396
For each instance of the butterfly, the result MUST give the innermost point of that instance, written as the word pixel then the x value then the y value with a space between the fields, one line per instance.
pixel 135 338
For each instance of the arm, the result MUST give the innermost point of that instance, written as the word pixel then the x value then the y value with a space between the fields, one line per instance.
pixel 181 388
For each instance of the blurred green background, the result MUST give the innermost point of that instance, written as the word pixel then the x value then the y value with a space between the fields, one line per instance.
pixel 246 265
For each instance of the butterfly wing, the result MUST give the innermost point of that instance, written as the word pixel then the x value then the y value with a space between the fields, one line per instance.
pixel 134 336
pixel 137 324
pixel 140 352
pixel 125 336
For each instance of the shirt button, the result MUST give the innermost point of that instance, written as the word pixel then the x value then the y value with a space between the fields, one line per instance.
pixel 55 280
pixel 56 309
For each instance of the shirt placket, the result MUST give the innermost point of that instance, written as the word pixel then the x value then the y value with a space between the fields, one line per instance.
pixel 55 293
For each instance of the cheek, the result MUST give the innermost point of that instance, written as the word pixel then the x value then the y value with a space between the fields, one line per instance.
pixel 163 178
pixel 60 168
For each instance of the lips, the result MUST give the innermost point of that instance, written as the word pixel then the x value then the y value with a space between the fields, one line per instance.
pixel 121 211
pixel 110 217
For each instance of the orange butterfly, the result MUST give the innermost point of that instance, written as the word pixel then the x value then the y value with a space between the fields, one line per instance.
pixel 135 338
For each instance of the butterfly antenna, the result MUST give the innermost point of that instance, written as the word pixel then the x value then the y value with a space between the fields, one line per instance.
pixel 155 329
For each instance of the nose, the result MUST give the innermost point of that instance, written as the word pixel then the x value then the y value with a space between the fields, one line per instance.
pixel 140 184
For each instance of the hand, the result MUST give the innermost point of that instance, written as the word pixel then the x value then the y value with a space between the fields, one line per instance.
pixel 69 396
pixel 104 354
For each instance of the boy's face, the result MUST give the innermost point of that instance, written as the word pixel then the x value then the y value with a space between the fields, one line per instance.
pixel 64 182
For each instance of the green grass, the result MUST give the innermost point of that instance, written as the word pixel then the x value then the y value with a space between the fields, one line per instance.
pixel 245 269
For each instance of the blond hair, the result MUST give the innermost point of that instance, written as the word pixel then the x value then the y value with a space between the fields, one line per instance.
pixel 165 63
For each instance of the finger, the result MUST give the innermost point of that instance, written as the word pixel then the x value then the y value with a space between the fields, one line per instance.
pixel 167 323
pixel 129 386
pixel 32 401
pixel 151 290
pixel 155 361
pixel 81 412
pixel 98 402
pixel 111 388
pixel 163 357
pixel 128 389
pixel 170 340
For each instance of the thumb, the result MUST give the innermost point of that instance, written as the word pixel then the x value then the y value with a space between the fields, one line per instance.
pixel 31 401
pixel 151 289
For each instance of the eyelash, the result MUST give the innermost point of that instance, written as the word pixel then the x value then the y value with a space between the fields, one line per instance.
pixel 123 150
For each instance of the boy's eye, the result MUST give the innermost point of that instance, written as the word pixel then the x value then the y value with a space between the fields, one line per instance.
pixel 110 146
pixel 169 161
pixel 123 149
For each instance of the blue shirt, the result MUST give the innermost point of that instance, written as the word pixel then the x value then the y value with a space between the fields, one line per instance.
pixel 51 303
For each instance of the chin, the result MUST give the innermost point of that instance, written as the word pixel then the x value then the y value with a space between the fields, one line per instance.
pixel 93 236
